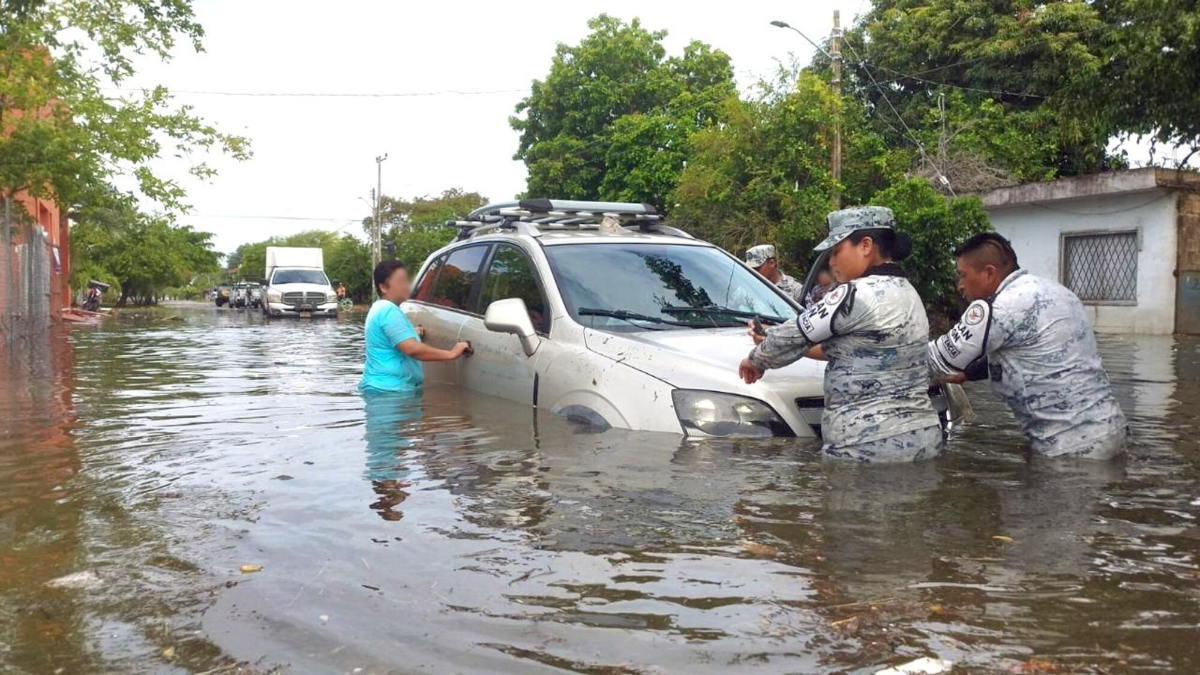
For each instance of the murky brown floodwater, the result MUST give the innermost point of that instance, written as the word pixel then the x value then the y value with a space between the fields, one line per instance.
pixel 151 459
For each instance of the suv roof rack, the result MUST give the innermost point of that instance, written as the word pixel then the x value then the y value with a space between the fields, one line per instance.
pixel 532 217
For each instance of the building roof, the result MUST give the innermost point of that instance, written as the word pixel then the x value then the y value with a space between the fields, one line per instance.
pixel 1100 184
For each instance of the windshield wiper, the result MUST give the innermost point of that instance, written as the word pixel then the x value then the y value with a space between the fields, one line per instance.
pixel 724 311
pixel 630 316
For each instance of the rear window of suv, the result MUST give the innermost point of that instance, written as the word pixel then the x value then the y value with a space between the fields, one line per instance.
pixel 449 281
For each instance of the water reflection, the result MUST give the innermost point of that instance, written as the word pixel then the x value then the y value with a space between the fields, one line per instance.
pixel 458 533
pixel 388 442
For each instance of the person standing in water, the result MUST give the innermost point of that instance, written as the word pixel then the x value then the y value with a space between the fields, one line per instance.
pixel 874 332
pixel 1031 337
pixel 394 347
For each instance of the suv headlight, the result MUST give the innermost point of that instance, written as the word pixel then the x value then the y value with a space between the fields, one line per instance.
pixel 274 296
pixel 331 297
pixel 708 413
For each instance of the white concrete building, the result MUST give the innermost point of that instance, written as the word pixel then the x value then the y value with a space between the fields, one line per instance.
pixel 1127 243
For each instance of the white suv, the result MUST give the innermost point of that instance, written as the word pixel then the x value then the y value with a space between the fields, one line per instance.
pixel 598 312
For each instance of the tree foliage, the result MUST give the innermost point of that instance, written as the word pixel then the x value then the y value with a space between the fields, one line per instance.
pixel 764 174
pixel 140 255
pixel 66 135
pixel 612 118
pixel 1006 66
pixel 936 225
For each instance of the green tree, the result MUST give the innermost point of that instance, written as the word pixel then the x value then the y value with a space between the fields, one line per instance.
pixel 140 255
pixel 399 214
pixel 612 118
pixel 1147 82
pixel 66 135
pixel 764 174
pixel 936 225
pixel 1009 66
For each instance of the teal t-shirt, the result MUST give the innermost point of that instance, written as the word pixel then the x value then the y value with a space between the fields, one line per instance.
pixel 387 368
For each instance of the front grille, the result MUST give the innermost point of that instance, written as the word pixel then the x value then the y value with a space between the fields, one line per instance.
pixel 309 298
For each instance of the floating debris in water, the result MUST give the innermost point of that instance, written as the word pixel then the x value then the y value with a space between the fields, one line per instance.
pixel 77 581
pixel 922 666
pixel 251 569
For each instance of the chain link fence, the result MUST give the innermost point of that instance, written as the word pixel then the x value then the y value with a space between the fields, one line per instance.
pixel 26 275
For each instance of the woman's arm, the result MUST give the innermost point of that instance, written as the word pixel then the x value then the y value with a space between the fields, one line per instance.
pixel 423 352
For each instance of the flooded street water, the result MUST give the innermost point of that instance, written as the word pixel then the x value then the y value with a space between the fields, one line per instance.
pixel 145 461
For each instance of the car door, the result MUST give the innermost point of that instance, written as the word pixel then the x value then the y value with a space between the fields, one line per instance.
pixel 443 299
pixel 499 366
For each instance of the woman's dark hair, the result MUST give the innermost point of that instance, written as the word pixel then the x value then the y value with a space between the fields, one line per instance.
pixel 892 244
pixel 384 270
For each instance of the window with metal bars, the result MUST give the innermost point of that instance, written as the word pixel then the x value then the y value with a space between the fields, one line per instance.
pixel 1101 268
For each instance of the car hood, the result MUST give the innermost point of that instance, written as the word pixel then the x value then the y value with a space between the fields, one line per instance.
pixel 700 359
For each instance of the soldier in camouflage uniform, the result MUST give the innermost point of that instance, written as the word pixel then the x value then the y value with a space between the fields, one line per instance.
pixel 1032 338
pixel 873 331
pixel 762 259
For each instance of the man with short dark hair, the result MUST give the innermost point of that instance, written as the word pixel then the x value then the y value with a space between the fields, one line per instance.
pixel 394 348
pixel 1033 338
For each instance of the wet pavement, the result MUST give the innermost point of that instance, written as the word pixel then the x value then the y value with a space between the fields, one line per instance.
pixel 145 461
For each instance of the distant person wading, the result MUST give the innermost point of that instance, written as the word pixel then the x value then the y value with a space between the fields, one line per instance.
pixel 873 331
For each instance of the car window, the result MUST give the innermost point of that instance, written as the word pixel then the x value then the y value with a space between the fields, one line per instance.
pixel 511 275
pixel 453 286
pixel 661 281
pixel 300 276
pixel 425 285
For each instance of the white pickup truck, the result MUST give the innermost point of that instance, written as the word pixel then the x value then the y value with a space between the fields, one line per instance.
pixel 296 284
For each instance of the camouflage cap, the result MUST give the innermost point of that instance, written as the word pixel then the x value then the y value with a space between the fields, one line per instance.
pixel 759 255
pixel 845 222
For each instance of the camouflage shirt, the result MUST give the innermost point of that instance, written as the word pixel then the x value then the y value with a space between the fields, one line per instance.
pixel 793 288
pixel 877 379
pixel 1043 362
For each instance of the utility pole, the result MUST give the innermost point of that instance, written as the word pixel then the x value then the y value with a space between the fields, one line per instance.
pixel 376 249
pixel 835 52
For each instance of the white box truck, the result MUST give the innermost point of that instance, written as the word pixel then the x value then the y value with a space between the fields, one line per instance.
pixel 296 284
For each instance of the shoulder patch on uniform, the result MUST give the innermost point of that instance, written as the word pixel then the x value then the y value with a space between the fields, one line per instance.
pixel 817 322
pixel 967 341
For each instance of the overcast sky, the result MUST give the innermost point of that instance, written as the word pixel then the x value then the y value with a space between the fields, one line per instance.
pixel 314 156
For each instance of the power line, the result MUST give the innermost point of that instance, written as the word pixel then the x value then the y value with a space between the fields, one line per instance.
pixel 945 181
pixel 410 94
pixel 905 76
pixel 239 217
pixel 992 56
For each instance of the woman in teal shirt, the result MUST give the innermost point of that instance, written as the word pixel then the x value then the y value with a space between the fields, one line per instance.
pixel 394 348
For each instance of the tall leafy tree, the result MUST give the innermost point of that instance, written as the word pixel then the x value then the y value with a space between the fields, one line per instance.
pixel 955 76
pixel 140 255
pixel 764 174
pixel 64 133
pixel 1148 80
pixel 612 118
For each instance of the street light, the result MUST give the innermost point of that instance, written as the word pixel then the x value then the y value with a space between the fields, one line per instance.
pixel 784 24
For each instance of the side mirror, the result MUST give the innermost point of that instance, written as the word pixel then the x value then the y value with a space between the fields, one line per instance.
pixel 511 316
pixel 263 283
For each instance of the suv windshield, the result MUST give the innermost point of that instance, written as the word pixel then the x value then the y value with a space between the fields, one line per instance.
pixel 300 277
pixel 660 286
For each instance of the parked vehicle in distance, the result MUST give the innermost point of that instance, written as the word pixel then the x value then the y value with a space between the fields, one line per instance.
pixel 221 295
pixel 626 324
pixel 254 294
pixel 296 284
pixel 239 298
